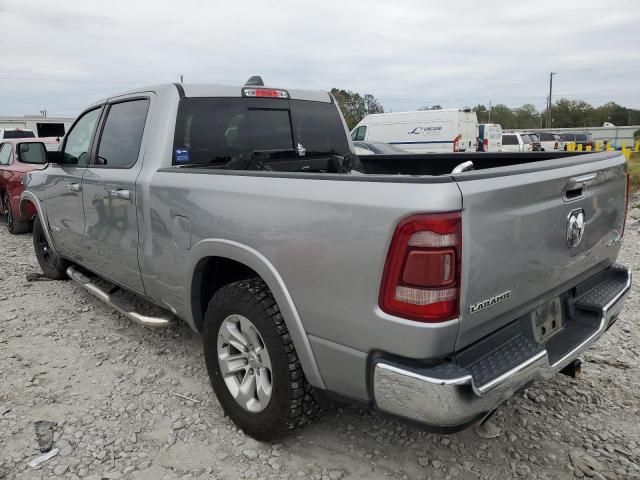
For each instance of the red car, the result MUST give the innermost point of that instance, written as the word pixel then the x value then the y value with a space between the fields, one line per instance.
pixel 17 157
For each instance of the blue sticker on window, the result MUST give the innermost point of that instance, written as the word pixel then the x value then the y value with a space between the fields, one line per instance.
pixel 182 155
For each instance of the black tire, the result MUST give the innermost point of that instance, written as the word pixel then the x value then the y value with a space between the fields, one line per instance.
pixel 13 226
pixel 293 401
pixel 52 265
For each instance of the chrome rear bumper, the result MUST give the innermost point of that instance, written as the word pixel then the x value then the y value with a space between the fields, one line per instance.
pixel 451 396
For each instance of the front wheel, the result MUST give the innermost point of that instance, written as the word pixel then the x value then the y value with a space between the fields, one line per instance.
pixel 252 363
pixel 52 265
pixel 13 226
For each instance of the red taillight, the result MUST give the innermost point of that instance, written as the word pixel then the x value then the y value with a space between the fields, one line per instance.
pixel 555 146
pixel 626 204
pixel 265 92
pixel 485 145
pixel 456 143
pixel 421 279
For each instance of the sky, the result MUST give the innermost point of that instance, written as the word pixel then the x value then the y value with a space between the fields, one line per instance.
pixel 63 55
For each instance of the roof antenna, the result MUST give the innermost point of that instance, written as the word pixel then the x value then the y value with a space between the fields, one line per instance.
pixel 255 81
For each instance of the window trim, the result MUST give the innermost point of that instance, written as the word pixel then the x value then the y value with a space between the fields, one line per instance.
pixel 100 130
pixel 91 141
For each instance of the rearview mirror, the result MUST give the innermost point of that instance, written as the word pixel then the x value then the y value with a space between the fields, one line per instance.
pixel 32 152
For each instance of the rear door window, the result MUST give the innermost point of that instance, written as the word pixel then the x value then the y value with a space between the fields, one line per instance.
pixel 122 134
pixel 581 137
pixel 525 138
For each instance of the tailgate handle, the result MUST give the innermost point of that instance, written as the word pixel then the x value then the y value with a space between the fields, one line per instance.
pixel 575 185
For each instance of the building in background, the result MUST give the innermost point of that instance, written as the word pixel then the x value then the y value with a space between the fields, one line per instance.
pixel 42 126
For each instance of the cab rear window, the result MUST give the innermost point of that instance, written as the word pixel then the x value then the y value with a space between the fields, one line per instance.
pixel 227 132
pixel 8 134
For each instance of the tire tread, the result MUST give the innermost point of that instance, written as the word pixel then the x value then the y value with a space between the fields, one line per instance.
pixel 304 401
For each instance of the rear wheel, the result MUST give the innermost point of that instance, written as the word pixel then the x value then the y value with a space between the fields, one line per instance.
pixel 52 265
pixel 252 363
pixel 14 226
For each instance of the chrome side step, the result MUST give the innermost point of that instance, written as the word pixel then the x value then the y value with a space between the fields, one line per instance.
pixel 120 304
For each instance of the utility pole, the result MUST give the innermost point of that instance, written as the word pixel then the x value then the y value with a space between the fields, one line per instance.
pixel 549 118
pixel 489 112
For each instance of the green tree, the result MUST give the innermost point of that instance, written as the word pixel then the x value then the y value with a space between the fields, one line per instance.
pixel 503 115
pixel 571 113
pixel 354 106
pixel 482 113
pixel 526 116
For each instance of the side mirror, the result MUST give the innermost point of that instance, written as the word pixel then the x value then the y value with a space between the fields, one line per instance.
pixel 32 152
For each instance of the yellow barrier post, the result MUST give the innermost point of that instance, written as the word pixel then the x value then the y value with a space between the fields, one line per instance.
pixel 571 147
pixel 597 147
pixel 579 147
pixel 637 149
pixel 588 148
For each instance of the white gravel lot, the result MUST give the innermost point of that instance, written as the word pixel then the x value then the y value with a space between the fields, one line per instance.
pixel 108 387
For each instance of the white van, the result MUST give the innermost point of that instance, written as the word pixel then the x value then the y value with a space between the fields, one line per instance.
pixel 489 137
pixel 449 130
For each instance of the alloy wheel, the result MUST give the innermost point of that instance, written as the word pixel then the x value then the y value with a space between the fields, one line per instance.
pixel 244 362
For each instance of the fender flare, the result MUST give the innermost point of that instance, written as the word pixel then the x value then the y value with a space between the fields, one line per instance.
pixel 27 196
pixel 217 247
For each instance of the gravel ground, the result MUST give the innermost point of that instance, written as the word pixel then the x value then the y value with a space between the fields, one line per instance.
pixel 110 391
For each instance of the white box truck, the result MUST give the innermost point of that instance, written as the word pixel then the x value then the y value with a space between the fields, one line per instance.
pixel 446 130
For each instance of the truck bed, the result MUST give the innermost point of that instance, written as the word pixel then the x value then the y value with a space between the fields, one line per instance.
pixel 444 163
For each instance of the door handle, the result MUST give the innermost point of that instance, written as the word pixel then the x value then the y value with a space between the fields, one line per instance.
pixel 575 186
pixel 73 187
pixel 123 194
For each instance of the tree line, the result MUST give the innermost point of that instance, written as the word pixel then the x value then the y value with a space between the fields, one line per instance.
pixel 565 113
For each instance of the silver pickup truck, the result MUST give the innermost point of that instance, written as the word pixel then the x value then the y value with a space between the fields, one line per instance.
pixel 430 287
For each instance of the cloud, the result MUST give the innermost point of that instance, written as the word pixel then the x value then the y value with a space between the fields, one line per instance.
pixel 409 53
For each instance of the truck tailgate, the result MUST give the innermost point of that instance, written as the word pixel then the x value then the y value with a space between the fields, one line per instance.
pixel 516 254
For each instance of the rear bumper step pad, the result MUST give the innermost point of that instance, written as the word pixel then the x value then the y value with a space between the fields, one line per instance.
pixel 452 395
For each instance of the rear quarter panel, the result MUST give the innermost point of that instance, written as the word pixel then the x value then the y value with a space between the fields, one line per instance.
pixel 327 240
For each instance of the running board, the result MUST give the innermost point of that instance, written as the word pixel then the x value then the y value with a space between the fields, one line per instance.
pixel 119 304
